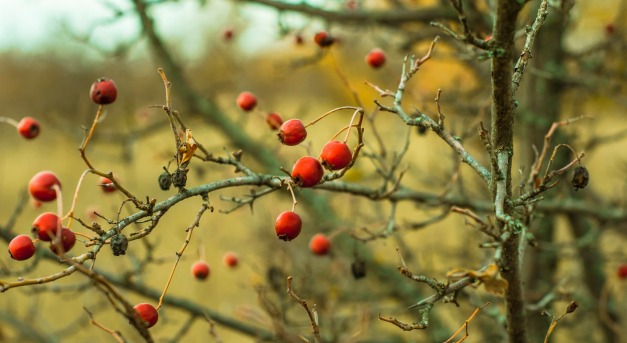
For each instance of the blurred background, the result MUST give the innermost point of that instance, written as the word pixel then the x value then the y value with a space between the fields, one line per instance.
pixel 51 52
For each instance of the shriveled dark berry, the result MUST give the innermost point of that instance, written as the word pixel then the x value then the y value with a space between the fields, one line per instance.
pixel 358 268
pixel 165 181
pixel 580 178
pixel 119 243
pixel 572 307
pixel 179 178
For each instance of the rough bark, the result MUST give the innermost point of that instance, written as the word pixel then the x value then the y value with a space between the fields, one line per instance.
pixel 502 137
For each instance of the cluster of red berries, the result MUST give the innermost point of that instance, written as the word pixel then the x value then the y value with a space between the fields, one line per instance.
pixel 43 187
pixel 307 171
pixel 47 226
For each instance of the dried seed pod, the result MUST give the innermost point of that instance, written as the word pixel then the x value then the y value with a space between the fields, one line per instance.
pixel 572 307
pixel 165 180
pixel 358 268
pixel 119 243
pixel 179 178
pixel 580 178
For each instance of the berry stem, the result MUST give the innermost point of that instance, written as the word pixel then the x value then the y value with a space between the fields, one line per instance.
pixel 342 130
pixel 290 187
pixel 332 111
pixel 57 235
pixel 78 187
pixel 359 110
pixel 82 235
pixel 89 135
pixel 201 250
pixel 9 121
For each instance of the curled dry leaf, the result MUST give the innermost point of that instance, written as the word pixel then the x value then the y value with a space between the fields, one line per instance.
pixel 488 276
pixel 187 149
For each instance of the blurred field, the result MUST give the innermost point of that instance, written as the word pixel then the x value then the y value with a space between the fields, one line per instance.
pixel 54 89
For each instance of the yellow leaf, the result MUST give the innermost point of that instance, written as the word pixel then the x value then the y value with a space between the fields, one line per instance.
pixel 187 149
pixel 489 276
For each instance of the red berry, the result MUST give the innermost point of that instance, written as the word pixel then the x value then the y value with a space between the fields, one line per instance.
pixel 228 34
pixel 200 270
pixel 40 186
pixel 610 29
pixel 307 172
pixel 319 244
pixel 375 58
pixel 106 185
pixel 292 132
pixel 230 259
pixel 622 272
pixel 21 248
pixel 28 127
pixel 336 155
pixel 67 240
pixel 288 225
pixel 323 39
pixel 103 91
pixel 147 313
pixel 274 121
pixel 246 101
pixel 46 226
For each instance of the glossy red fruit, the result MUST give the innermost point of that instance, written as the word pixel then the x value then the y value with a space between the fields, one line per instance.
pixel 200 270
pixel 46 226
pixel 103 91
pixel 288 225
pixel 106 185
pixel 292 132
pixel 66 240
pixel 336 155
pixel 319 244
pixel 274 121
pixel 246 101
pixel 147 313
pixel 40 186
pixel 375 58
pixel 21 248
pixel 622 272
pixel 307 172
pixel 323 39
pixel 28 127
pixel 230 259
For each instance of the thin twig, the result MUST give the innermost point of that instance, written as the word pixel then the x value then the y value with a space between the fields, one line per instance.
pixel 312 313
pixel 190 229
